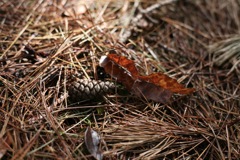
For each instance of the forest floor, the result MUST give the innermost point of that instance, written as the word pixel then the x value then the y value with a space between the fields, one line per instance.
pixel 49 47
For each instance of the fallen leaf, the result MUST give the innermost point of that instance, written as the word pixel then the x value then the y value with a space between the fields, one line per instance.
pixel 157 86
pixel 92 141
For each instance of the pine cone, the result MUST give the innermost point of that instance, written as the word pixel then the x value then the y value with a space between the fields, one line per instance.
pixel 81 89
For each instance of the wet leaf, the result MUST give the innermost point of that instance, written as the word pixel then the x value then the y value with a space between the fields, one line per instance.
pixel 157 86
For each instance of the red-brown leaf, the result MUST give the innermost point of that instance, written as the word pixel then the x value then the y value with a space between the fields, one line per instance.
pixel 116 71
pixel 151 91
pixel 168 83
pixel 125 63
pixel 157 86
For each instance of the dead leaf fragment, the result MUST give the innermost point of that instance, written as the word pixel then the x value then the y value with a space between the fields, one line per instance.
pixel 92 141
pixel 157 86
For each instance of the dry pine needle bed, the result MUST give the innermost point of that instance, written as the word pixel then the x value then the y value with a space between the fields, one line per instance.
pixel 167 85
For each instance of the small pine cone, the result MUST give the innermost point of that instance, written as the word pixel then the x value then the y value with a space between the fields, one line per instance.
pixel 88 89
